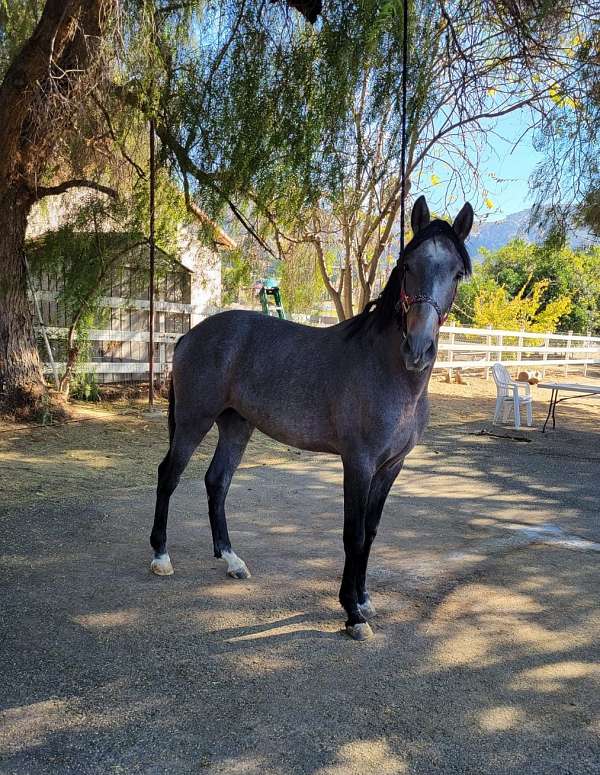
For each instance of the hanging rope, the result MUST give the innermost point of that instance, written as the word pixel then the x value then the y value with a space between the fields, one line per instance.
pixel 403 124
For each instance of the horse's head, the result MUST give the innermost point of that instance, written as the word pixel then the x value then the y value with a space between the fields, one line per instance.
pixel 434 262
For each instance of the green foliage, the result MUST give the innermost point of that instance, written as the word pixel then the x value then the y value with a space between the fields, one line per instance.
pixel 98 236
pixel 84 387
pixel 589 214
pixel 494 307
pixel 81 262
pixel 170 211
pixel 237 273
pixel 17 21
pixel 567 182
pixel 544 287
pixel 301 285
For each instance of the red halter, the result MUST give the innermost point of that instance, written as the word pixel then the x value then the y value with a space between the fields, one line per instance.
pixel 407 302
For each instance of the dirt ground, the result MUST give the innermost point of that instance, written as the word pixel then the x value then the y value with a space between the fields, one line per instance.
pixel 484 574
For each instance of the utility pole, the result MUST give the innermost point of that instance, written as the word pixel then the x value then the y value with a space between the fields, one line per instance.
pixel 152 258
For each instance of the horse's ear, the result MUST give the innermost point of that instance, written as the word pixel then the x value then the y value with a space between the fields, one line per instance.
pixel 419 217
pixel 463 222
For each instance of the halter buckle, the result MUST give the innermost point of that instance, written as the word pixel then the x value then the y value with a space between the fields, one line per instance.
pixel 405 301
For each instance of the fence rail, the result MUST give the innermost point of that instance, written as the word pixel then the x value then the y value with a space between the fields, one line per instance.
pixel 479 348
pixel 459 348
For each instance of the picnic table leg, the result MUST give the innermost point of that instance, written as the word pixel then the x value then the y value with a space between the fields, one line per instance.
pixel 554 410
pixel 551 408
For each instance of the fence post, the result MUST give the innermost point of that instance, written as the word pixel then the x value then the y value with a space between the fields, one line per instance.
pixel 588 343
pixel 489 352
pixel 162 362
pixel 500 345
pixel 545 355
pixel 452 337
pixel 567 353
pixel 520 347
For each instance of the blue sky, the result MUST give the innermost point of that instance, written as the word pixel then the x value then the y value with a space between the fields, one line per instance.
pixel 513 166
pixel 504 171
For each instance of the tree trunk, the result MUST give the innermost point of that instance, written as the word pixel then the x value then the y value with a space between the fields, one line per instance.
pixel 39 92
pixel 333 293
pixel 72 355
pixel 21 380
pixel 348 310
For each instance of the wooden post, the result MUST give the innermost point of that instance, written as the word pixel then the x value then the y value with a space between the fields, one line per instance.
pixel 501 345
pixel 545 355
pixel 152 259
pixel 588 343
pixel 567 353
pixel 520 347
pixel 489 352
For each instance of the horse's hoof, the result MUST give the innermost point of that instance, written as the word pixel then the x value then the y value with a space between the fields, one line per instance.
pixel 367 608
pixel 360 631
pixel 161 565
pixel 236 567
pixel 239 573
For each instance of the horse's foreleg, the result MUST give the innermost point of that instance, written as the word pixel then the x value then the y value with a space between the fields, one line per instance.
pixel 357 483
pixel 185 440
pixel 234 434
pixel 380 487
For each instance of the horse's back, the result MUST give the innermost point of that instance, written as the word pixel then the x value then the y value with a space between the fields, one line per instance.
pixel 232 332
pixel 280 375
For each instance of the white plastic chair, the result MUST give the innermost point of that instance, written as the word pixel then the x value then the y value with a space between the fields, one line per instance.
pixel 508 396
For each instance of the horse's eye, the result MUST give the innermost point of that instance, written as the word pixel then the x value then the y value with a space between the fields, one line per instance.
pixel 459 276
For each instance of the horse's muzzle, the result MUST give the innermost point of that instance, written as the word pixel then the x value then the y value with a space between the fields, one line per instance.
pixel 418 352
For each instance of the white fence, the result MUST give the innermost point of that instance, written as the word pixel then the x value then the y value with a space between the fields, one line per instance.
pixel 479 348
pixel 459 348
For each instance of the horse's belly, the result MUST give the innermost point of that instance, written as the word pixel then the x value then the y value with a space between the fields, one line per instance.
pixel 302 441
pixel 300 428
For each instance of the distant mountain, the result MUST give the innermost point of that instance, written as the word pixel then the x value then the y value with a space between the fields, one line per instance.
pixel 493 235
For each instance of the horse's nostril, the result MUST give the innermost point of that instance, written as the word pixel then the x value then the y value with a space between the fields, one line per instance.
pixel 417 353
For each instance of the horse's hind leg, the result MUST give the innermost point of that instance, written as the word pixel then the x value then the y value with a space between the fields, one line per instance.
pixel 186 438
pixel 234 434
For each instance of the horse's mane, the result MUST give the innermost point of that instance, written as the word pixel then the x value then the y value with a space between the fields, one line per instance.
pixel 383 310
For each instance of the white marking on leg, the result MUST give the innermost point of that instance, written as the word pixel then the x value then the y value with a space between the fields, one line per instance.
pixel 161 565
pixel 367 608
pixel 236 567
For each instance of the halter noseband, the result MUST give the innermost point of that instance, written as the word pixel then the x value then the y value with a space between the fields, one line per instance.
pixel 406 301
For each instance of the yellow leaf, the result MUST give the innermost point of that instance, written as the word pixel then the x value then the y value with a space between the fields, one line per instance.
pixel 491 91
pixel 435 180
pixel 561 99
pixel 488 203
pixel 576 40
pixel 555 95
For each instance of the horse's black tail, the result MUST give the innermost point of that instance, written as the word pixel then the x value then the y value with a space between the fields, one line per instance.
pixel 171 414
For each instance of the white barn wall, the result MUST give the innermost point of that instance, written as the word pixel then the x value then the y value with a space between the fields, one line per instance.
pixel 203 263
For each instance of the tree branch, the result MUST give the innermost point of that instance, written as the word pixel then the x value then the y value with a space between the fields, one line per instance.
pixel 42 191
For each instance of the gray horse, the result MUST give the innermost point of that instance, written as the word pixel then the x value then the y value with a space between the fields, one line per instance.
pixel 357 389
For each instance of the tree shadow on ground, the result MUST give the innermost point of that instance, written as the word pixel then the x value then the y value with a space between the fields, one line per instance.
pixel 482 662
